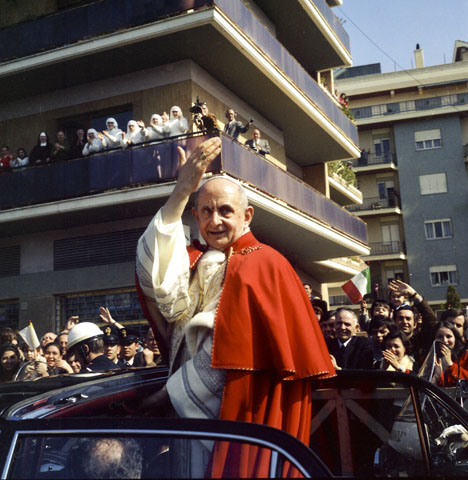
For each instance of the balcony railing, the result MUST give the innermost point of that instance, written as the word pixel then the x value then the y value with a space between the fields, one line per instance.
pixel 387 248
pixel 375 203
pixel 385 109
pixel 373 159
pixel 157 163
pixel 337 300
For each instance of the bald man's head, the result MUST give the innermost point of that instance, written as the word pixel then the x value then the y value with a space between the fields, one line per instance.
pixel 222 212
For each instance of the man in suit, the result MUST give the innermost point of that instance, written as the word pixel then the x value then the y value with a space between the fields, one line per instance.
pixel 347 350
pixel 258 144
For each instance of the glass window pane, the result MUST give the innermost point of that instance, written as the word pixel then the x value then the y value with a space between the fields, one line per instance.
pixel 437 142
pixel 419 145
pixel 435 278
pixel 429 230
pixel 438 229
pixel 143 456
pixel 428 144
pixel 447 229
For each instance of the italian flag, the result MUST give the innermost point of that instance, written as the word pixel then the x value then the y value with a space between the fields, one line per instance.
pixel 358 286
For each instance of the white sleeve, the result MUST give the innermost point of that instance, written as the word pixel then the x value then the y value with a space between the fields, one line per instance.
pixel 163 267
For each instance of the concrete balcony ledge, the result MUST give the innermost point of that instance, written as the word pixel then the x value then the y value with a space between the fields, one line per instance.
pixel 342 192
pixel 370 162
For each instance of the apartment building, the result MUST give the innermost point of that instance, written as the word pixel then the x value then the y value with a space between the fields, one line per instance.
pixel 69 229
pixel 412 172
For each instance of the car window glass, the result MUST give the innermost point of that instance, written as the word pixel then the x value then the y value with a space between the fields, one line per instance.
pixel 372 427
pixel 39 455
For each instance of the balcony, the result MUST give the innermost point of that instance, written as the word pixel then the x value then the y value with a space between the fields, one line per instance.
pixel 135 182
pixel 370 162
pixel 343 192
pixel 44 56
pixel 386 110
pixel 394 250
pixel 377 206
pixel 337 301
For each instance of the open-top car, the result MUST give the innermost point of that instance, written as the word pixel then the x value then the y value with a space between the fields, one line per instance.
pixel 363 423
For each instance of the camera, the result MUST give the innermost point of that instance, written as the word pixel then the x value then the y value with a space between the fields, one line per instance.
pixel 197 108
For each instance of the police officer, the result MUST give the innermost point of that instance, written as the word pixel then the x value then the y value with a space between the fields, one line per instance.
pixel 112 346
pixel 86 341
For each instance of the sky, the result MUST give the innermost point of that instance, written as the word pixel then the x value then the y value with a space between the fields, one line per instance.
pixel 387 31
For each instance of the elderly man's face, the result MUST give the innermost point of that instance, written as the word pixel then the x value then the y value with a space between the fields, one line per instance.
pixel 256 134
pixel 220 214
pixel 345 326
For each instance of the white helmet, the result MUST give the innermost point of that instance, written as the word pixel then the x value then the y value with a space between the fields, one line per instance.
pixel 81 332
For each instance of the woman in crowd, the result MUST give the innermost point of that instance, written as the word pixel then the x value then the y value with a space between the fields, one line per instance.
pixel 343 100
pixel 42 151
pixel 8 335
pixel 10 362
pixel 55 364
pixel 177 124
pixel 61 149
pixel 74 363
pixel 5 159
pixel 397 353
pixel 93 144
pixel 111 137
pixel 448 351
pixel 133 136
pixel 21 160
pixel 379 328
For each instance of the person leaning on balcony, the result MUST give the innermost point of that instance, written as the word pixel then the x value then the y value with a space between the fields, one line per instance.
pixel 61 148
pixel 234 127
pixel 21 160
pixel 421 339
pixel 42 151
pixel 258 144
pixel 111 137
pixel 93 144
pixel 5 159
pixel 242 337
pixel 177 123
pixel 78 143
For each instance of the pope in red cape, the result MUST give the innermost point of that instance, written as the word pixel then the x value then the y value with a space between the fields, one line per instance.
pixel 265 334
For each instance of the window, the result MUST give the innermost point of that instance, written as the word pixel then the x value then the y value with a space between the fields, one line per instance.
pixel 433 183
pixel 438 229
pixel 443 275
pixel 428 139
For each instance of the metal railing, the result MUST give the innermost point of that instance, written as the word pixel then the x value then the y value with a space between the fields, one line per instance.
pixel 375 203
pixel 369 158
pixel 459 99
pixel 386 248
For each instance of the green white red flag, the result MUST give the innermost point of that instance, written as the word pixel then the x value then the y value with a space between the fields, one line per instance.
pixel 358 286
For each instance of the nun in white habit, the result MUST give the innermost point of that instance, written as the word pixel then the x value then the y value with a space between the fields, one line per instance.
pixel 133 136
pixel 155 129
pixel 177 123
pixel 111 137
pixel 93 144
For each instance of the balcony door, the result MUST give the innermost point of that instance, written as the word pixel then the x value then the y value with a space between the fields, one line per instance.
pixel 382 148
pixel 390 237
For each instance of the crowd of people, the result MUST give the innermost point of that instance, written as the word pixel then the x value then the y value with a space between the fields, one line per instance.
pixel 396 335
pixel 160 127
pixel 115 347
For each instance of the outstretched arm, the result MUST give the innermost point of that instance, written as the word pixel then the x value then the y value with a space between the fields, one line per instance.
pixel 191 172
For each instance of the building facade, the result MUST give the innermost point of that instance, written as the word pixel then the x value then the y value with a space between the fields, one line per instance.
pixel 69 229
pixel 412 172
